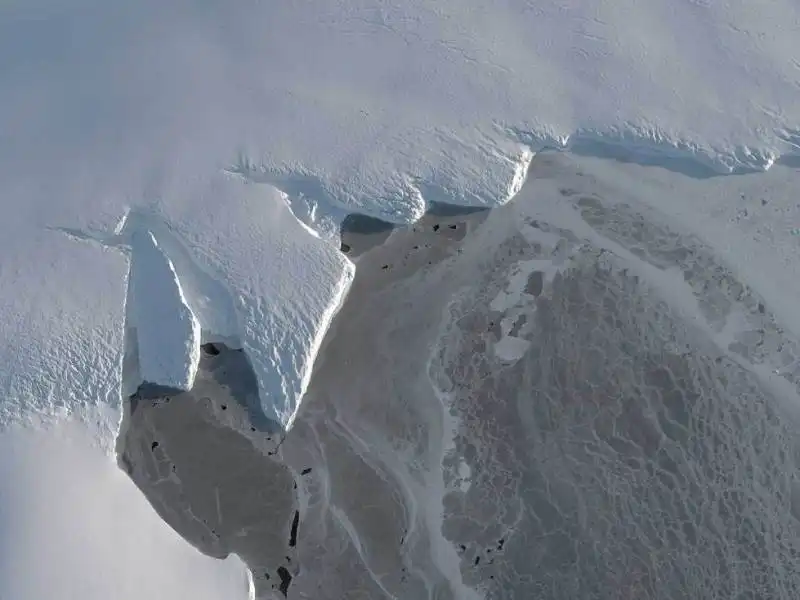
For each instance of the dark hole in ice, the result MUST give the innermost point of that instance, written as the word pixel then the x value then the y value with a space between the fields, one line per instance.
pixel 154 445
pixel 305 471
pixel 590 203
pixel 210 349
pixel 442 209
pixel 363 224
pixel 535 283
pixel 286 579
pixel 293 533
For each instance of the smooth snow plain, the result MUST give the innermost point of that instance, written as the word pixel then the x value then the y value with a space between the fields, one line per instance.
pixel 155 121
pixel 74 526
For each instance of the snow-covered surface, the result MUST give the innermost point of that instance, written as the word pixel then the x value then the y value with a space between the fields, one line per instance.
pixel 230 262
pixel 242 261
pixel 360 105
pixel 111 113
pixel 167 332
pixel 73 525
pixel 395 98
pixel 283 284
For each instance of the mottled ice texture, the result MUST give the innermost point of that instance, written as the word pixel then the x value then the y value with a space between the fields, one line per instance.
pixel 590 393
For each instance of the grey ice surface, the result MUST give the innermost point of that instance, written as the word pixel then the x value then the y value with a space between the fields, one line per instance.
pixel 359 233
pixel 203 459
pixel 564 398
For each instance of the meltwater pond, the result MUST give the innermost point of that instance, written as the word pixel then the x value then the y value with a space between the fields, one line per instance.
pixel 577 395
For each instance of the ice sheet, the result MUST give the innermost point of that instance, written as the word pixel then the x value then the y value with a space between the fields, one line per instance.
pixel 364 104
pixel 380 108
pixel 110 111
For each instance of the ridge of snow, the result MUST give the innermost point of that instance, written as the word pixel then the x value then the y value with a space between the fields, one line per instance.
pixel 212 275
pixel 249 241
pixel 321 202
pixel 167 331
pixel 652 147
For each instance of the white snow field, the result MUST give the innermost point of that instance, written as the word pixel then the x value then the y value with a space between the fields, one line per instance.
pixel 153 121
pixel 167 332
pixel 74 526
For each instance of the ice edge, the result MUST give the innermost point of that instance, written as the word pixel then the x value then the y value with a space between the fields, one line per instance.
pixel 317 200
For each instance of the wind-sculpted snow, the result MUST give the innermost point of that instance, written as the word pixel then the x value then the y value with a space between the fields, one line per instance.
pixel 63 314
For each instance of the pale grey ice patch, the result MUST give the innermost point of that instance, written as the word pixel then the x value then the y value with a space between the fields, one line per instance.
pixel 203 458
pixel 634 447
